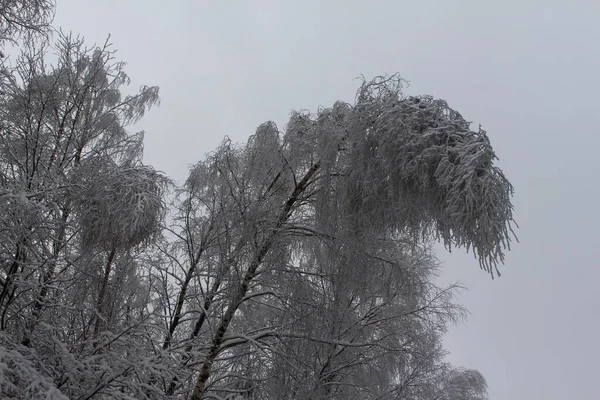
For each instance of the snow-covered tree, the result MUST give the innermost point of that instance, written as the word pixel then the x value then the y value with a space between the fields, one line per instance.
pixel 24 18
pixel 74 193
pixel 339 202
pixel 297 265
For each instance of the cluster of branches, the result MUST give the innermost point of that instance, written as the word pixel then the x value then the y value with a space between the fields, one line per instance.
pixel 295 266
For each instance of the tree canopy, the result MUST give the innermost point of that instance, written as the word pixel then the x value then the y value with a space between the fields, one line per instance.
pixel 297 265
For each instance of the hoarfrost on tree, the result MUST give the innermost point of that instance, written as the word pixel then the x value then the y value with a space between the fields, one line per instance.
pixel 296 265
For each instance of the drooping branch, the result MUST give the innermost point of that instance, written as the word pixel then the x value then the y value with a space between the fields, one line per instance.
pixel 396 164
pixel 117 207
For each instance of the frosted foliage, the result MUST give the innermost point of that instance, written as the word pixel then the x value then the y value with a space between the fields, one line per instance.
pixel 296 265
pixel 309 138
pixel 118 207
pixel 300 139
pixel 58 115
pixel 376 324
pixel 264 153
pixel 411 165
pixel 19 17
pixel 18 212
pixel 464 384
pixel 21 379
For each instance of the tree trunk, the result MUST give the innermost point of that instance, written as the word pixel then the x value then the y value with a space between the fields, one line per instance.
pixel 57 246
pixel 200 386
pixel 100 305
pixel 8 289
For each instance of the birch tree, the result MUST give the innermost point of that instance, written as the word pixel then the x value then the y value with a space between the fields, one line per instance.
pixel 73 192
pixel 297 265
pixel 322 200
pixel 24 17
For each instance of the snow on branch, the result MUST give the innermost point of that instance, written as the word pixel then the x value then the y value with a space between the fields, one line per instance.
pixel 118 207
pixel 406 165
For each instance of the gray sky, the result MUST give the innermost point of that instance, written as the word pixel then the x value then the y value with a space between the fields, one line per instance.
pixel 529 71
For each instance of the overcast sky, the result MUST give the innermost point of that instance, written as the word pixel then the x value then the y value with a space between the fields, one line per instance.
pixel 529 71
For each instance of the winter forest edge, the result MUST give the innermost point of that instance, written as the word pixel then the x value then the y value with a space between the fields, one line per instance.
pixel 297 265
